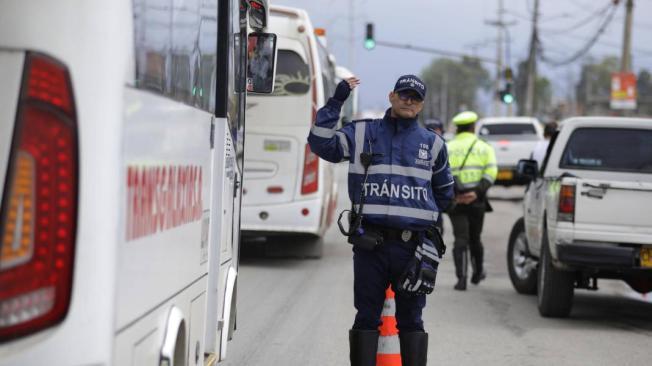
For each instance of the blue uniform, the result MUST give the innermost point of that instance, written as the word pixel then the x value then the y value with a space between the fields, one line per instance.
pixel 409 183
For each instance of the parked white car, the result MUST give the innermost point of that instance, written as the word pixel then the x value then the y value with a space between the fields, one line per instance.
pixel 513 138
pixel 586 212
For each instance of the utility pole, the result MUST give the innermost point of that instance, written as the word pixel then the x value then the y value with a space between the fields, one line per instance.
pixel 501 28
pixel 444 100
pixel 626 59
pixel 499 58
pixel 531 64
pixel 352 33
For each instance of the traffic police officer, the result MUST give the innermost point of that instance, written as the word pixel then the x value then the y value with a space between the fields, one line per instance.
pixel 473 163
pixel 407 185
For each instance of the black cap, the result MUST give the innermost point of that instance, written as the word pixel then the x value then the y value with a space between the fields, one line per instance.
pixel 411 82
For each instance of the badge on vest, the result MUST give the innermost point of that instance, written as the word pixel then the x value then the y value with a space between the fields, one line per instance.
pixel 423 154
pixel 406 235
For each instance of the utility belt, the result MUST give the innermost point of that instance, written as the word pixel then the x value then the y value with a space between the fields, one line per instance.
pixel 404 236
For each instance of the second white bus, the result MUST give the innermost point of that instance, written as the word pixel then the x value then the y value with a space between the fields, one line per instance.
pixel 289 193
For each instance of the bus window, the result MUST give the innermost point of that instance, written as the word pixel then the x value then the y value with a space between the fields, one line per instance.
pixel 152 39
pixel 205 77
pixel 180 63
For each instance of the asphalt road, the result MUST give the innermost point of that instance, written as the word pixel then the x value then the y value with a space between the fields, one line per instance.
pixel 298 312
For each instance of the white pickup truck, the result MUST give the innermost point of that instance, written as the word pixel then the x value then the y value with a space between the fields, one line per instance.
pixel 513 138
pixel 587 213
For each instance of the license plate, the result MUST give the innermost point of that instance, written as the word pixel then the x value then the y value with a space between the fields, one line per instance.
pixel 276 145
pixel 646 257
pixel 505 175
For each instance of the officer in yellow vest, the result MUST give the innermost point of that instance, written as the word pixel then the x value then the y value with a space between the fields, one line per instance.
pixel 473 164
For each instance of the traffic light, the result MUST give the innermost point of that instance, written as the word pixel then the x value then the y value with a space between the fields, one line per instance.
pixel 369 41
pixel 506 95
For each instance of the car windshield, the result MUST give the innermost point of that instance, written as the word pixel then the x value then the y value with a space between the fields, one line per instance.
pixel 508 131
pixel 609 149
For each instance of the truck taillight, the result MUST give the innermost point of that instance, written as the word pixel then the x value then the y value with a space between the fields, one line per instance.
pixel 39 206
pixel 310 181
pixel 566 203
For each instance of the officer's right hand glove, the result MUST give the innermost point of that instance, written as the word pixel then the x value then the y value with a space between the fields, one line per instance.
pixel 342 91
pixel 420 275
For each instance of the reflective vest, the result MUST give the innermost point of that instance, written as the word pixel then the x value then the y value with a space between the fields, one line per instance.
pixel 409 178
pixel 481 163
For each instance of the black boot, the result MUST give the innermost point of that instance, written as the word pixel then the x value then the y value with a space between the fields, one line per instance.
pixel 459 256
pixel 478 268
pixel 363 345
pixel 414 348
pixel 476 277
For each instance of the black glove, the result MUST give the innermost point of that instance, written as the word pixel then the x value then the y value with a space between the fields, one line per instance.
pixel 421 272
pixel 342 91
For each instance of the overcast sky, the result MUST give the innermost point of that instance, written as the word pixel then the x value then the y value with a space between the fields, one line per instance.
pixel 458 25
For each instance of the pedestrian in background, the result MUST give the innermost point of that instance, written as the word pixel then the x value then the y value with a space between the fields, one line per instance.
pixel 473 164
pixel 435 125
pixel 399 182
pixel 540 149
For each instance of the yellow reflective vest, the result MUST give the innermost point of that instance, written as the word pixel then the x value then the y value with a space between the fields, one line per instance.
pixel 481 163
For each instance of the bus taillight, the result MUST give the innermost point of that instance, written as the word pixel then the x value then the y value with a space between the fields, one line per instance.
pixel 38 215
pixel 310 181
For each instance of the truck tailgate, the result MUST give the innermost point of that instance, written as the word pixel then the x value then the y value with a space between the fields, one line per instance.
pixel 625 206
pixel 11 66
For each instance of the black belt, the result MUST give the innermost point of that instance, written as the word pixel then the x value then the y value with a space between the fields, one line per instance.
pixel 404 236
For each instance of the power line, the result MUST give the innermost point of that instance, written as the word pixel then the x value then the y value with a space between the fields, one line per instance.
pixel 637 24
pixel 607 43
pixel 433 50
pixel 582 51
pixel 591 17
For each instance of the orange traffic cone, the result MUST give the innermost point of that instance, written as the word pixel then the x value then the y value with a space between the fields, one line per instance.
pixel 389 347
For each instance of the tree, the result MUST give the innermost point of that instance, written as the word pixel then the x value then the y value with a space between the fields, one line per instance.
pixel 452 86
pixel 594 88
pixel 644 88
pixel 542 91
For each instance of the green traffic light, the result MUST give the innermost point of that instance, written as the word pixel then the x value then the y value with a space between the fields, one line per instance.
pixel 508 98
pixel 369 44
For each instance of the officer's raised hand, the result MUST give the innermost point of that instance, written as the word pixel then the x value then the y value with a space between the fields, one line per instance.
pixel 344 88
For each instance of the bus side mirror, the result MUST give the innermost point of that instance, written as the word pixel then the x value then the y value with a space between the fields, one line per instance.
pixel 261 62
pixel 527 170
pixel 258 14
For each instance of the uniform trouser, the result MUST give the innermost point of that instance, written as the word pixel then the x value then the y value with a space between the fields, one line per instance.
pixel 373 271
pixel 467 227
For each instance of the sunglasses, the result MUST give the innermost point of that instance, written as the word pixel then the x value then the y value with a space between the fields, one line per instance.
pixel 407 95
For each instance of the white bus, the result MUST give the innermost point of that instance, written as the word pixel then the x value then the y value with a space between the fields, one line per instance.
pixel 121 126
pixel 289 193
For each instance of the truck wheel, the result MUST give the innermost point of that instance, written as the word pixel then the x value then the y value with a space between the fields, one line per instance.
pixel 555 287
pixel 520 264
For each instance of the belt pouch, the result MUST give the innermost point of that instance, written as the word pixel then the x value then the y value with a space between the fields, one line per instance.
pixel 367 240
